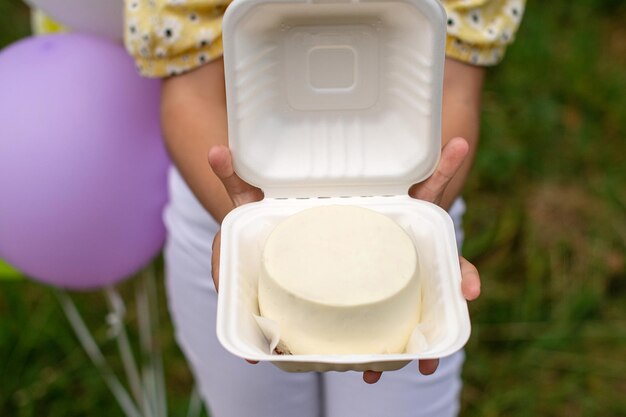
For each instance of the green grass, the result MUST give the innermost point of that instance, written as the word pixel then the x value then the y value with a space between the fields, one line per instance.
pixel 546 220
pixel 44 371
pixel 546 225
pixel 14 21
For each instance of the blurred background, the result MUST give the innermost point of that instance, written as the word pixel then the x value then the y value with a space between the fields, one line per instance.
pixel 546 225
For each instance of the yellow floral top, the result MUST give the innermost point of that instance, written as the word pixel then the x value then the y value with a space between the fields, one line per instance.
pixel 169 37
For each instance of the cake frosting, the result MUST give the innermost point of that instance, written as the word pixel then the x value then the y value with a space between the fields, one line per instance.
pixel 340 279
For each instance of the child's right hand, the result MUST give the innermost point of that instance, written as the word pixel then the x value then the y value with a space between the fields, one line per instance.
pixel 240 193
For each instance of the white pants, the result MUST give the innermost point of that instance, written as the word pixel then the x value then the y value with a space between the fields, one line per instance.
pixel 233 388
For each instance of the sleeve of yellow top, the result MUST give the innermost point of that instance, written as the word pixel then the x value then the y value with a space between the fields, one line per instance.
pixel 172 37
pixel 479 31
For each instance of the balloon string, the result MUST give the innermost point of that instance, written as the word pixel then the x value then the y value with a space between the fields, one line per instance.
pixel 195 404
pixel 150 278
pixel 95 354
pixel 152 370
pixel 116 321
pixel 144 341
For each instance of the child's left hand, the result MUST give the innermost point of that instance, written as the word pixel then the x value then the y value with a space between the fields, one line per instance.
pixel 452 156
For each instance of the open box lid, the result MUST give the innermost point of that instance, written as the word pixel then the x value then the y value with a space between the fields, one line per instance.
pixel 332 98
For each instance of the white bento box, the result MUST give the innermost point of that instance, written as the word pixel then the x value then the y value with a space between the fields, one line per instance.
pixel 336 102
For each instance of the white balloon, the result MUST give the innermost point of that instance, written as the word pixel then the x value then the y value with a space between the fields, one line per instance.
pixel 99 17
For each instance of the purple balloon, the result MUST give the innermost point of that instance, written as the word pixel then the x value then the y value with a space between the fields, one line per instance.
pixel 82 164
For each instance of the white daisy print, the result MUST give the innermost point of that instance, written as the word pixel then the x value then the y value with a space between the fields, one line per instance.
pixel 160 52
pixel 205 37
pixel 494 30
pixel 454 22
pixel 132 29
pixel 475 57
pixel 174 69
pixel 515 9
pixel 203 58
pixel 144 52
pixel 506 36
pixel 133 5
pixel 170 30
pixel 475 18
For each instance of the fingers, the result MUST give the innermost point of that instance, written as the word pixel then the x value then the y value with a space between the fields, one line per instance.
pixel 428 366
pixel 470 286
pixel 222 163
pixel 371 377
pixel 215 269
pixel 452 157
pixel 215 259
pixel 239 191
pixel 470 283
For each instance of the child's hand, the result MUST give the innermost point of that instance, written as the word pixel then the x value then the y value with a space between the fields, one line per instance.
pixel 240 193
pixel 452 156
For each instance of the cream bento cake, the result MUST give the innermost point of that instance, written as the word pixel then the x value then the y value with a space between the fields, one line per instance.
pixel 340 279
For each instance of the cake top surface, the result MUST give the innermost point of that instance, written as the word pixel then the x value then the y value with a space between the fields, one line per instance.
pixel 340 255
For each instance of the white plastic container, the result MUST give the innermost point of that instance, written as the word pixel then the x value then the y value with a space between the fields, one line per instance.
pixel 336 102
